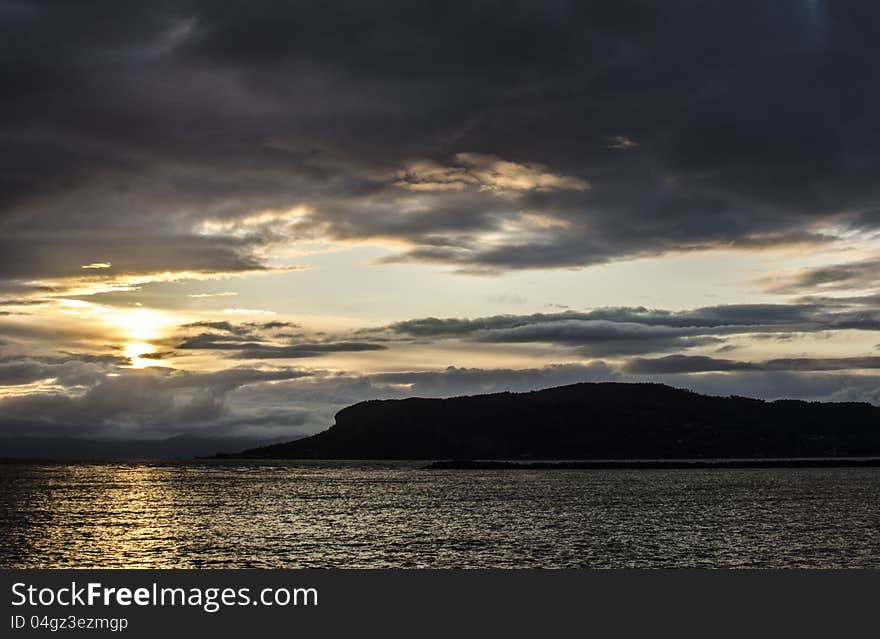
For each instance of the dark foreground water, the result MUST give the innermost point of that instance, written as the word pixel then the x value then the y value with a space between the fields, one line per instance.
pixel 262 514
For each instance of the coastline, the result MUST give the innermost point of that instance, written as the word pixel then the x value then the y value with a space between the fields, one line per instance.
pixel 649 464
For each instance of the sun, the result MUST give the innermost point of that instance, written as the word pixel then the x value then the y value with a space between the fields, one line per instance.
pixel 139 354
pixel 141 324
pixel 138 328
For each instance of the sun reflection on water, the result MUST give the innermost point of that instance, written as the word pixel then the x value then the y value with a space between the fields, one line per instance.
pixel 103 514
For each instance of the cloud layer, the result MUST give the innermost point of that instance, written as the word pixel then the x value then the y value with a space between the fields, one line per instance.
pixel 476 135
pixel 256 390
pixel 633 330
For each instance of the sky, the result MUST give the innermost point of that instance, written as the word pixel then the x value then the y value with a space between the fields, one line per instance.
pixel 233 219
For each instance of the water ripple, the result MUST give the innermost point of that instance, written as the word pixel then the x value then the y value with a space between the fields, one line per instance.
pixel 271 514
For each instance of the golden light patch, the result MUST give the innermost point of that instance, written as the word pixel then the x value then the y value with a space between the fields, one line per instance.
pixel 138 327
pixel 141 324
pixel 139 354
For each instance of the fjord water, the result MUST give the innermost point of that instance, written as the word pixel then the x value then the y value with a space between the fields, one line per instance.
pixel 348 514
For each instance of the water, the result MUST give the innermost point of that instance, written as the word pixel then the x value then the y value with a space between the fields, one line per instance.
pixel 271 514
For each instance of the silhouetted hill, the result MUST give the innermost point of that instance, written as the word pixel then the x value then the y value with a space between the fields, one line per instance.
pixel 591 421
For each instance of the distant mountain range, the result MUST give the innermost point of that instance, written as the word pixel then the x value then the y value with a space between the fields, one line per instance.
pixel 75 448
pixel 590 421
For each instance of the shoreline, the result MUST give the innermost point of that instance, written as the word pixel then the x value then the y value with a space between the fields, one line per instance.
pixel 648 464
pixel 496 464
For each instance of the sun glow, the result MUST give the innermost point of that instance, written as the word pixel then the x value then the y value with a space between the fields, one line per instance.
pixel 139 327
pixel 139 354
pixel 137 333
pixel 141 324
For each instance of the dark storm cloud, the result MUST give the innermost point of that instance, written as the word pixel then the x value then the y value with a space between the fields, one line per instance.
pixel 600 338
pixel 260 340
pixel 216 341
pixel 268 326
pixel 127 125
pixel 863 301
pixel 245 347
pixel 601 333
pixel 743 316
pixel 863 274
pixel 66 369
pixel 637 330
pixel 700 364
pixel 25 372
pixel 268 351
pixel 240 330
pixel 54 254
pixel 153 401
pixel 228 327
